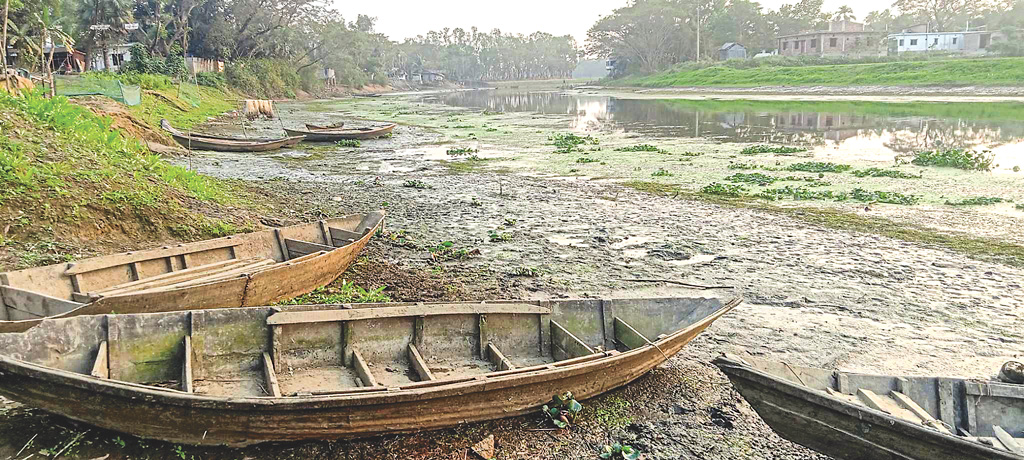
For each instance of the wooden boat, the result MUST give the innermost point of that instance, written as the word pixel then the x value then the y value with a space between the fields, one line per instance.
pixel 333 135
pixel 195 141
pixel 329 127
pixel 854 416
pixel 248 375
pixel 250 269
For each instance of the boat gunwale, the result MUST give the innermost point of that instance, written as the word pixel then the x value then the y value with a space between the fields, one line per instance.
pixel 459 387
pixel 770 382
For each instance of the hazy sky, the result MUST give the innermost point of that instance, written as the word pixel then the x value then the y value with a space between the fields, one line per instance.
pixel 401 19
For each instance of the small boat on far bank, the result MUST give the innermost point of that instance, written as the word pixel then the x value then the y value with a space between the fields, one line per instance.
pixel 852 416
pixel 333 135
pixel 196 141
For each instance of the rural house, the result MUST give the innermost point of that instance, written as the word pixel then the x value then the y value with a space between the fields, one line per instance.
pixel 842 38
pixel 951 42
pixel 732 51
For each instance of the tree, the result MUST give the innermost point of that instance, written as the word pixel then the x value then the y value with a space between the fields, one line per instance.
pixel 650 34
pixel 844 13
pixel 942 15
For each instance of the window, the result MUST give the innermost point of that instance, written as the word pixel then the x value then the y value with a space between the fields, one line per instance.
pixel 814 43
pixel 954 40
pixel 117 59
pixel 936 42
pixel 913 42
pixel 856 41
pixel 785 45
pixel 832 42
pixel 901 42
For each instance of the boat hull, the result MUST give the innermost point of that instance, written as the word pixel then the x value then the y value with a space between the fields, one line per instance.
pixel 152 412
pixel 338 135
pixel 201 143
pixel 844 430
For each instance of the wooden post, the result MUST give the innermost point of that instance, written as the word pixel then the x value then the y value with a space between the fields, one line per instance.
pixel 417 330
pixel 482 321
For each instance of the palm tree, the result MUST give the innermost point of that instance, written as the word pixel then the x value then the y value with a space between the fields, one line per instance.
pixel 844 13
pixel 50 28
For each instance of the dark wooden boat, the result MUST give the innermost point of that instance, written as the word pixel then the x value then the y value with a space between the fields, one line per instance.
pixel 249 269
pixel 333 135
pixel 854 416
pixel 248 375
pixel 193 141
pixel 329 127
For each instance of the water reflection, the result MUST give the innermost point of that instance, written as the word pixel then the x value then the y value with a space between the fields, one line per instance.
pixel 853 130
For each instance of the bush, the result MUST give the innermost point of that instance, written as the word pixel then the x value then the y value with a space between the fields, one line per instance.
pixel 263 77
pixel 211 79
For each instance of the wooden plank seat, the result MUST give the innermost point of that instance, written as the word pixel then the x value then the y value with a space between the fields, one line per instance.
pixel 247 269
pixel 175 277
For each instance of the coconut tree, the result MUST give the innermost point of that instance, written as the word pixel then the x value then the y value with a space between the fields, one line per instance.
pixel 51 31
pixel 844 13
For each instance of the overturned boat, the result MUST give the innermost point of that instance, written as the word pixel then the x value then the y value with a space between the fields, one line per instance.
pixel 249 269
pixel 248 375
pixel 196 141
pixel 854 416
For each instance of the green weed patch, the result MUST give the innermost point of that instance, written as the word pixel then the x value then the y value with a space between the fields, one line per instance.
pixel 969 160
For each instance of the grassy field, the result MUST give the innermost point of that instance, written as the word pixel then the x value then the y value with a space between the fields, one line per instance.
pixel 950 72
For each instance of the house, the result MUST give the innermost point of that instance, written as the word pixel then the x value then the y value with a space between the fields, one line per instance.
pixel 119 54
pixel 732 51
pixel 843 37
pixel 431 76
pixel 951 42
pixel 65 60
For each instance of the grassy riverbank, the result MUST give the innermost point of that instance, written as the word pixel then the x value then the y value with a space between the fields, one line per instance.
pixel 68 177
pixel 951 72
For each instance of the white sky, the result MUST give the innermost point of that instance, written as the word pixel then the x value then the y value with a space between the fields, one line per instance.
pixel 401 19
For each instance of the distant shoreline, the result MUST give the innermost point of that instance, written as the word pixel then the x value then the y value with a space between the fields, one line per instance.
pixel 877 93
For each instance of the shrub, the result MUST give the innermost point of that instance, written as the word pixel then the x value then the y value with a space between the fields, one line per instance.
pixel 211 79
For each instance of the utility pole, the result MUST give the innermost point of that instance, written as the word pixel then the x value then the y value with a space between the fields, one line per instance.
pixel 698 31
pixel 3 53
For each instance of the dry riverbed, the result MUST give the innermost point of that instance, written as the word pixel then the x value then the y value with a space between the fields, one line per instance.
pixel 816 295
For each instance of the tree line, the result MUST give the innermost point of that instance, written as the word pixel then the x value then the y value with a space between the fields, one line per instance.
pixel 651 35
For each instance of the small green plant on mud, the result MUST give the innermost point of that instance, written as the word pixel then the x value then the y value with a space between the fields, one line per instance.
pixel 528 272
pixel 180 452
pixel 400 239
pixel 879 172
pixel 641 148
pixel 727 190
pixel 969 160
pixel 800 193
pixel 747 166
pixel 692 154
pixel 620 451
pixel 569 142
pixel 476 203
pixel 563 409
pixel 1020 207
pixel 417 184
pixel 662 172
pixel 752 178
pixel 461 151
pixel 510 222
pixel 344 292
pixel 976 201
pixel 348 143
pixel 497 237
pixel 783 150
pixel 871 196
pixel 818 167
pixel 446 250
pixel 584 160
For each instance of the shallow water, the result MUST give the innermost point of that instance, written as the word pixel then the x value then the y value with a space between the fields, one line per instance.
pixel 832 130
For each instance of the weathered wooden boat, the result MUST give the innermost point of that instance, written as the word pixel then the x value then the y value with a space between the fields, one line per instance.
pixel 329 127
pixel 194 141
pixel 242 376
pixel 333 135
pixel 250 269
pixel 854 416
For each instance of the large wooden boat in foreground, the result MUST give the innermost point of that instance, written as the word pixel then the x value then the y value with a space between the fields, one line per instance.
pixel 853 416
pixel 196 141
pixel 249 269
pixel 248 375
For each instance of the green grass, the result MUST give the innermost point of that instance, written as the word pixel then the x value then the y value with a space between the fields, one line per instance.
pixel 641 148
pixel 879 172
pixel 818 167
pixel 976 201
pixel 968 160
pixel 343 292
pixel 990 71
pixel 782 150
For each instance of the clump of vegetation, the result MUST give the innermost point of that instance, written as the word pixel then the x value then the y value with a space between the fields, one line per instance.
pixel 620 451
pixel 728 190
pixel 746 166
pixel 782 150
pixel 800 193
pixel 446 250
pixel 818 167
pixel 569 142
pixel 344 292
pixel 662 172
pixel 872 196
pixel 879 172
pixel 510 222
pixel 977 201
pixel 641 148
pixel 692 154
pixel 417 184
pixel 461 151
pixel 495 236
pixel 584 160
pixel 348 143
pixel 563 410
pixel 752 178
pixel 969 160
pixel 528 272
pixel 1020 206
pixel 476 203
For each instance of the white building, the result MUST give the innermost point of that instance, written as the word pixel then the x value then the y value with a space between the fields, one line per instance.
pixel 952 42
pixel 119 54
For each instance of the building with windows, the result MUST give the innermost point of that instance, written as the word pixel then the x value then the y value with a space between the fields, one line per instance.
pixel 951 42
pixel 842 38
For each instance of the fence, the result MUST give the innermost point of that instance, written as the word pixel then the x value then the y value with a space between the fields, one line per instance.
pixel 77 85
pixel 196 65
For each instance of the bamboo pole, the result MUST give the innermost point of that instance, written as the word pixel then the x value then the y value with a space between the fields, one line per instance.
pixel 3 52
